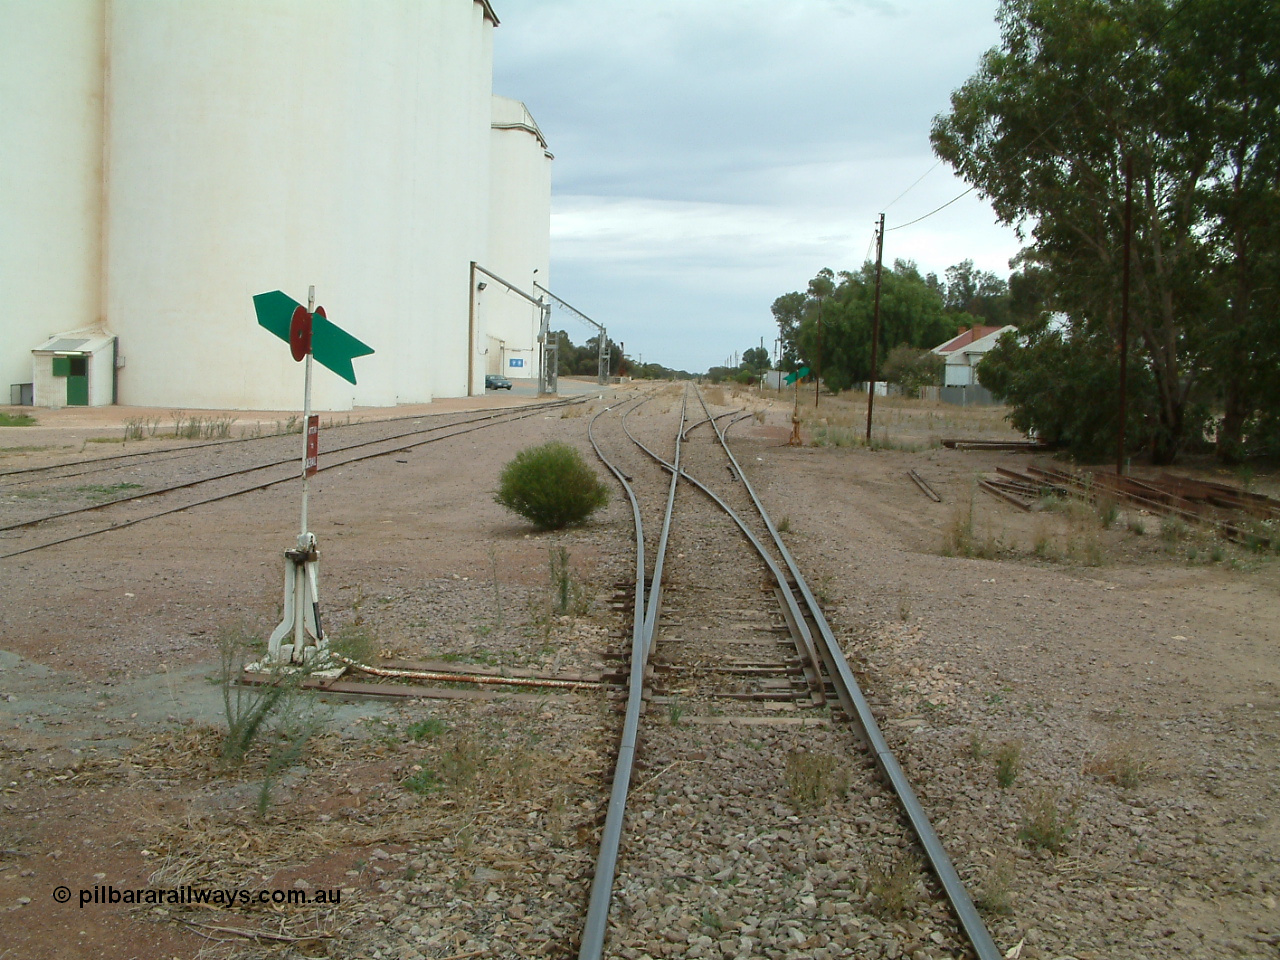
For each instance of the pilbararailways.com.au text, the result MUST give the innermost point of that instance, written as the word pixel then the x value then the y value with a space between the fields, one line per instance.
pixel 216 897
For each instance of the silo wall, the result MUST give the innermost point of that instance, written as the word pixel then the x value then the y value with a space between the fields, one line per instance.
pixel 519 239
pixel 51 86
pixel 254 145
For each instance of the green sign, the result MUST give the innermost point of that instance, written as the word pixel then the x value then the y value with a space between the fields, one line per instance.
pixel 791 377
pixel 330 344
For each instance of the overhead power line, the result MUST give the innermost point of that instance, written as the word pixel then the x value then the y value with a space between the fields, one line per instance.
pixel 1086 94
pixel 913 186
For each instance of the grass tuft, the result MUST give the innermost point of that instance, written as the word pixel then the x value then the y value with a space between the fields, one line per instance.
pixel 427 729
pixel 1173 529
pixel 273 717
pixel 895 888
pixel 815 779
pixel 422 782
pixel 995 895
pixel 1127 764
pixel 567 594
pixel 1044 826
pixel 1008 760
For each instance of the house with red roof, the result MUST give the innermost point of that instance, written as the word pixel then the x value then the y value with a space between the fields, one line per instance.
pixel 963 351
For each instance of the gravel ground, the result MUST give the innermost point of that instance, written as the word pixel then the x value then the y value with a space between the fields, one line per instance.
pixel 1096 744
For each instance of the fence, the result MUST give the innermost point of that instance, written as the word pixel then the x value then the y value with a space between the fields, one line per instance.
pixel 973 395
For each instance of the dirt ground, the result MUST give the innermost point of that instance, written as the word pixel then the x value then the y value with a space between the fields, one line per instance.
pixel 1123 678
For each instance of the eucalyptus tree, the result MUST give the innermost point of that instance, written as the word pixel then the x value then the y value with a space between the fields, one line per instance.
pixel 911 312
pixel 1186 90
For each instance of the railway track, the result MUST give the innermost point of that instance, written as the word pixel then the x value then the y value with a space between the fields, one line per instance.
pixel 24 527
pixel 108 463
pixel 736 799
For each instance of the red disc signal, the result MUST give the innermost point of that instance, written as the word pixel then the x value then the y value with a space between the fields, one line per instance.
pixel 300 333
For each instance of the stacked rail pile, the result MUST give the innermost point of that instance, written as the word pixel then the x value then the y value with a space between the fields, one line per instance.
pixel 1223 508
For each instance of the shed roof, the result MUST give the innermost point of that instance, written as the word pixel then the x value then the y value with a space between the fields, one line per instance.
pixel 965 337
pixel 75 341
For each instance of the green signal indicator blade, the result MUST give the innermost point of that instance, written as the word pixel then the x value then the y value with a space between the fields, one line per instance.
pixel 275 310
pixel 332 346
pixel 798 375
pixel 335 348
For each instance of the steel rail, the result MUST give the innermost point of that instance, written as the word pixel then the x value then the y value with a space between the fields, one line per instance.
pixel 847 686
pixel 694 426
pixel 644 621
pixel 398 673
pixel 22 476
pixel 789 599
pixel 187 448
pixel 924 486
pixel 606 862
pixel 483 424
pixel 275 463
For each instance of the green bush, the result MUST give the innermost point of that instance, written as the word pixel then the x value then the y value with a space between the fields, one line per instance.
pixel 551 486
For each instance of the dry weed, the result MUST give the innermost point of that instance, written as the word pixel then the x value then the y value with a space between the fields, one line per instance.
pixel 1044 825
pixel 815 779
pixel 996 893
pixel 895 888
pixel 1008 758
pixel 1126 763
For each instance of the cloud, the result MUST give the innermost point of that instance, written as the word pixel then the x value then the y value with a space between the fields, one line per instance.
pixel 711 156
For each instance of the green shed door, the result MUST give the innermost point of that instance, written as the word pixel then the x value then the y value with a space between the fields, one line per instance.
pixel 78 382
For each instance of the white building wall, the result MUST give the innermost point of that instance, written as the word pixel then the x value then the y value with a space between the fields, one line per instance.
pixel 102 375
pixel 47 390
pixel 165 161
pixel 957 372
pixel 264 144
pixel 50 175
pixel 519 239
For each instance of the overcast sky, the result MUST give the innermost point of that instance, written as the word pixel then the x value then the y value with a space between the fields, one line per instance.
pixel 713 155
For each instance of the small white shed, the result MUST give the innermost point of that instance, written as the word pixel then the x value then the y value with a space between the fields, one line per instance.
pixel 76 369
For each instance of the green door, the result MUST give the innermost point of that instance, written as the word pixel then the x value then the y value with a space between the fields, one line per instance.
pixel 78 382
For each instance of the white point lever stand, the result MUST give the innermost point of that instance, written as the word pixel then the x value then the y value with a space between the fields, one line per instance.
pixel 301 620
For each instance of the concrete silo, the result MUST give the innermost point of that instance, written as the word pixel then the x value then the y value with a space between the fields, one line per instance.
pixel 519 241
pixel 51 89
pixel 256 144
pixel 165 161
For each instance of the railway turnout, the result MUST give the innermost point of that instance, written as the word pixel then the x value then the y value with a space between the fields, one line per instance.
pixel 728 635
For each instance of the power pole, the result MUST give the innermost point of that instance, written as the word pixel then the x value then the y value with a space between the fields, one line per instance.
pixel 817 376
pixel 543 324
pixel 875 326
pixel 1124 311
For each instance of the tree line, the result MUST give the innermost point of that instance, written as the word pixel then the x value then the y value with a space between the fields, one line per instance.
pixel 828 326
pixel 584 361
pixel 1175 105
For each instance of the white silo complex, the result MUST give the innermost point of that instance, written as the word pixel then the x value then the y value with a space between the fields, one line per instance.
pixel 519 247
pixel 243 146
pixel 51 85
